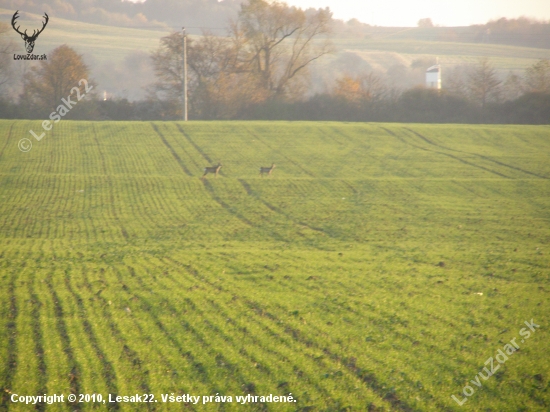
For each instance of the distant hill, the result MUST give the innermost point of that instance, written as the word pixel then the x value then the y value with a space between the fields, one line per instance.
pixel 118 55
pixel 150 13
pixel 101 43
pixel 106 43
pixel 214 14
pixel 520 32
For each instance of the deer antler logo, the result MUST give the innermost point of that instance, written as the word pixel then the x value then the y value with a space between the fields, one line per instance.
pixel 29 40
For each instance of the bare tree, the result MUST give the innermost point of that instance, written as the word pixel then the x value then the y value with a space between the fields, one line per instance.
pixel 167 63
pixel 538 76
pixel 513 87
pixel 266 55
pixel 454 81
pixel 483 83
pixel 427 22
pixel 223 89
pixel 54 79
pixel 278 42
pixel 219 87
pixel 6 49
pixel 360 88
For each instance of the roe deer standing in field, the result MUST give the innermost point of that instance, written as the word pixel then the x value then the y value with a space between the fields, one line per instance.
pixel 267 170
pixel 212 169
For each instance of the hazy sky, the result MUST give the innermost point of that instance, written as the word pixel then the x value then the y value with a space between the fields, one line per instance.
pixel 442 12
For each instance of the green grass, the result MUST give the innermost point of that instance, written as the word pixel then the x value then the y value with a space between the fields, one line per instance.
pixel 124 273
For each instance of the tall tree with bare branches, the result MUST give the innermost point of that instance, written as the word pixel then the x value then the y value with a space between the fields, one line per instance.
pixel 359 88
pixel 277 42
pixel 217 87
pixel 538 76
pixel 483 82
pixel 55 78
pixel 266 55
pixel 6 48
pixel 167 62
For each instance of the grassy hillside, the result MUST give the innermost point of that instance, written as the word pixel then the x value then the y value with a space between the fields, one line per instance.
pixel 390 45
pixel 101 43
pixel 377 269
pixel 389 50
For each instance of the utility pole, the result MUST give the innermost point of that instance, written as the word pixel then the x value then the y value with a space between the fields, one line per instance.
pixel 184 74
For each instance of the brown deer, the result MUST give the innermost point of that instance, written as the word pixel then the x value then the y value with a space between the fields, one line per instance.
pixel 267 170
pixel 212 169
pixel 29 40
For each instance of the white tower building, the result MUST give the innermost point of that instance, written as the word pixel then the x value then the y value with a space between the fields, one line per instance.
pixel 433 77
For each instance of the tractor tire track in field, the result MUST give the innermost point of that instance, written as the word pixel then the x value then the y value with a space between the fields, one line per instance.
pixel 75 373
pixel 351 138
pixel 11 332
pixel 261 346
pixel 444 154
pixel 363 375
pixel 350 187
pixel 197 148
pixel 176 156
pixel 330 136
pixel 108 372
pixel 182 146
pixel 132 357
pixel 298 165
pixel 475 154
pixel 194 273
pixel 232 368
pixel 169 366
pixel 275 209
pixel 111 189
pixel 359 142
pixel 235 213
pixel 38 344
pixel 224 205
pixel 163 358
pixel 368 378
pixel 7 140
pixel 150 311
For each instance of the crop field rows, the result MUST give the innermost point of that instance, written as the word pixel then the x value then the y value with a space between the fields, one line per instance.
pixel 376 269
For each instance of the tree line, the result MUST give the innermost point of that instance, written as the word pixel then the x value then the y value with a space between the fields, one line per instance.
pixel 261 70
pixel 266 56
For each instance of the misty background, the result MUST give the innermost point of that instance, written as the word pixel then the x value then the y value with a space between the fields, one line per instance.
pixel 116 40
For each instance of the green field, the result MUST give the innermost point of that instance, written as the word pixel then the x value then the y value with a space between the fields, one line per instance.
pixel 377 269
